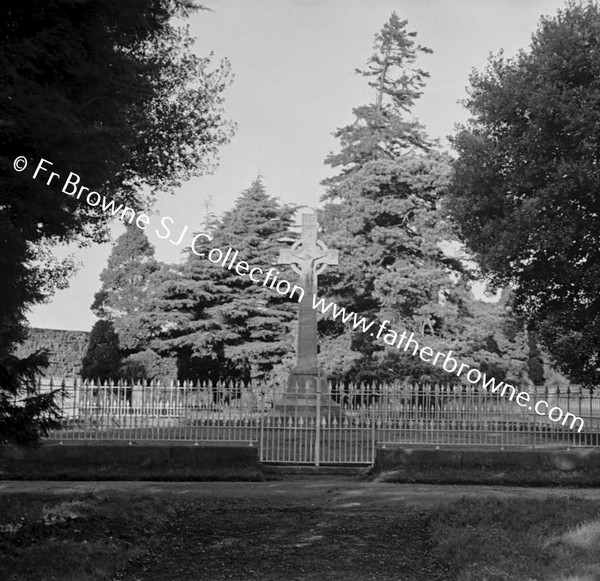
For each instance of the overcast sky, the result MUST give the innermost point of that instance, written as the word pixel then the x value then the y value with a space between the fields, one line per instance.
pixel 293 62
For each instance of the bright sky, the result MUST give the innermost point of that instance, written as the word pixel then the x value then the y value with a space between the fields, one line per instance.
pixel 293 62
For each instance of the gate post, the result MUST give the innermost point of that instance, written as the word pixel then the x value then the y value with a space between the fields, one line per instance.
pixel 373 428
pixel 262 423
pixel 318 429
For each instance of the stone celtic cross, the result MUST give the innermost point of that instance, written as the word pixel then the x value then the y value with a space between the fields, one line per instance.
pixel 308 257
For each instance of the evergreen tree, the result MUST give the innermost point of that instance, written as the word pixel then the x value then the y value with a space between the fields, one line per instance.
pixel 384 213
pixel 25 416
pixel 102 359
pixel 220 324
pixel 536 361
pixel 124 296
pixel 382 129
pixel 109 90
pixel 381 209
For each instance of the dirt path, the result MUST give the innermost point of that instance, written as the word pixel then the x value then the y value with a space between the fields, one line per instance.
pixel 206 541
pixel 311 529
pixel 339 491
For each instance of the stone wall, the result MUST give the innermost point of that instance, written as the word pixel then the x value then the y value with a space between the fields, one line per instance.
pixel 119 461
pixel 66 348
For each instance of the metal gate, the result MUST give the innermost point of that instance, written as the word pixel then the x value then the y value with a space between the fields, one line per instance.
pixel 319 434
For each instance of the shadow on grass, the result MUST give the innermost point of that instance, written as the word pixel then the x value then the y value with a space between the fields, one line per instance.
pixel 519 539
pixel 86 539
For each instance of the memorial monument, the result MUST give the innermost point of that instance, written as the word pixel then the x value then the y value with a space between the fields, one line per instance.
pixel 308 257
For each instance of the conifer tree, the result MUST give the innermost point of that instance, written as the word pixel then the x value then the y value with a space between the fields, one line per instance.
pixel 126 283
pixel 126 276
pixel 25 415
pixel 220 324
pixel 102 359
pixel 111 91
pixel 383 212
pixel 384 129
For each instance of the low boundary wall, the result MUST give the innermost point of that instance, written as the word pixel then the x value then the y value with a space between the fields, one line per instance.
pixel 120 461
pixel 165 462
pixel 539 467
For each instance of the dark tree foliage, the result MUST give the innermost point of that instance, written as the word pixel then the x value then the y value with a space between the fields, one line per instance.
pixel 25 415
pixel 525 191
pixel 536 362
pixel 126 300
pixel 126 290
pixel 219 324
pixel 382 214
pixel 102 359
pixel 109 90
pixel 147 366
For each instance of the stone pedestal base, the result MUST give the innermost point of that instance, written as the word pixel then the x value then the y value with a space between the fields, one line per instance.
pixel 306 406
pixel 306 381
pixel 301 397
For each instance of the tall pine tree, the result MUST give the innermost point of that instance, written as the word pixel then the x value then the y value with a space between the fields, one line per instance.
pixel 383 212
pixel 384 129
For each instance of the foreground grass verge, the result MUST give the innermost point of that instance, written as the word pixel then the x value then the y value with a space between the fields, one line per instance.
pixel 480 476
pixel 520 539
pixel 86 538
pixel 129 536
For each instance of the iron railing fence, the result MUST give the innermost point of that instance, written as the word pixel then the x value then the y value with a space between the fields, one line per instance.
pixel 343 424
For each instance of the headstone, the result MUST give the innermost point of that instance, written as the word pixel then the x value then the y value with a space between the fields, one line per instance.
pixel 308 257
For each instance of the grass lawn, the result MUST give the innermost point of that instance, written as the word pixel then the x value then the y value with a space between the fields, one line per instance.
pixel 130 536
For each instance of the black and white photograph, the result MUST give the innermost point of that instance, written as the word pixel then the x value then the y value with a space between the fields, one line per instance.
pixel 300 290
